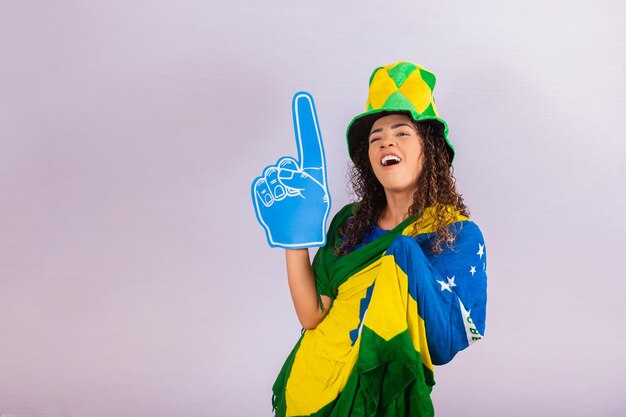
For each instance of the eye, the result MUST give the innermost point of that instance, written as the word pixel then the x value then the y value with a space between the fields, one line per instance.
pixel 402 134
pixel 372 140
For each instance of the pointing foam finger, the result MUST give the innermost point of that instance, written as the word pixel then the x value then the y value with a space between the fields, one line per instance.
pixel 308 136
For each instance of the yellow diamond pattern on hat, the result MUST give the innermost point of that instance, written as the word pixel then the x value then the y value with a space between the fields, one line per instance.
pixel 381 87
pixel 418 91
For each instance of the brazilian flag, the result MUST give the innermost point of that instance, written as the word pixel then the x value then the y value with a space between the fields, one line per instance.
pixel 398 310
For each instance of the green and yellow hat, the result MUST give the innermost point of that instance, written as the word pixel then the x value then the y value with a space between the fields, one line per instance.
pixel 402 87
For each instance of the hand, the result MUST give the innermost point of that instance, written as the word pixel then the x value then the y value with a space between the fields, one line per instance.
pixel 291 198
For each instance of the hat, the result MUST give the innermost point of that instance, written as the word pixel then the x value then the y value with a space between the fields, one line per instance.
pixel 402 87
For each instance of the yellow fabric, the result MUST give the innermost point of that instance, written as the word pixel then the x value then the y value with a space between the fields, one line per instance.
pixel 427 222
pixel 326 356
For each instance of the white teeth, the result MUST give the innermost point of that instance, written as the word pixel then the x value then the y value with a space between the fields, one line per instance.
pixel 389 160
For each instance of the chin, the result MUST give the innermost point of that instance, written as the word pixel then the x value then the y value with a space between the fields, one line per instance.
pixel 397 181
pixel 400 188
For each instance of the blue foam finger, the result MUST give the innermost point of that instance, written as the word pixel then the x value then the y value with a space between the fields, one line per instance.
pixel 308 135
pixel 297 215
pixel 287 163
pixel 262 191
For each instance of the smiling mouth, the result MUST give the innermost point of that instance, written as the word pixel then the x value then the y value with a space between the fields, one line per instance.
pixel 389 160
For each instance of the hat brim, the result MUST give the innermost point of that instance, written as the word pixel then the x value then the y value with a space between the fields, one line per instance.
pixel 360 126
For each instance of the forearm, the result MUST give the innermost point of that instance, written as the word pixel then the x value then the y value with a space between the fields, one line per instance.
pixel 302 287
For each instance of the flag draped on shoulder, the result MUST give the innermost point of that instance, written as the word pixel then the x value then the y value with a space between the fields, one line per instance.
pixel 398 309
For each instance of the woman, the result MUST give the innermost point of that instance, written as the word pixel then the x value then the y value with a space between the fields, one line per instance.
pixel 401 284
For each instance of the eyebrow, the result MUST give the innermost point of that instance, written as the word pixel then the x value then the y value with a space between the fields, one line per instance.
pixel 393 127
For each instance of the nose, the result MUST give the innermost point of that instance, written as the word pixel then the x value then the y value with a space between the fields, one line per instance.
pixel 387 141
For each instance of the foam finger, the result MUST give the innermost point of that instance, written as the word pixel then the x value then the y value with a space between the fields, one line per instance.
pixel 287 163
pixel 308 135
pixel 276 188
pixel 263 193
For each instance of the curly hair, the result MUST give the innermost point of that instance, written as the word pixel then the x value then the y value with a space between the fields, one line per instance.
pixel 436 188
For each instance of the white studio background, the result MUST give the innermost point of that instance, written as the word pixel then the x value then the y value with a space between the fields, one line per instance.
pixel 134 278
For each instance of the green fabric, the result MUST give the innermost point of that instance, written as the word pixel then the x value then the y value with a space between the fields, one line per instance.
pixel 429 110
pixel 331 271
pixel 398 101
pixel 390 378
pixel 401 72
pixel 429 78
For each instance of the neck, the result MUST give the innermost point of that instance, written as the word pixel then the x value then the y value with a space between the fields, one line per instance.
pixel 396 210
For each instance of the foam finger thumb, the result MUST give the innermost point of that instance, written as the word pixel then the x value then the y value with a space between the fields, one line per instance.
pixel 296 179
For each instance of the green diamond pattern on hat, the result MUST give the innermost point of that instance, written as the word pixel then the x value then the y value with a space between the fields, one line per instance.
pixel 428 77
pixel 398 101
pixel 401 72
pixel 430 111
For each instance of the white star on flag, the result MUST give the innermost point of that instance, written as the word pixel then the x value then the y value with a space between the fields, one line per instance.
pixel 481 250
pixel 451 281
pixel 444 286
pixel 473 270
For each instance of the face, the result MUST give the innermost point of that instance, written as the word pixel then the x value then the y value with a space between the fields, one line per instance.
pixel 395 153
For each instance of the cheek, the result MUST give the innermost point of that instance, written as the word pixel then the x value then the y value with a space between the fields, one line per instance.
pixel 419 156
pixel 418 168
pixel 420 163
